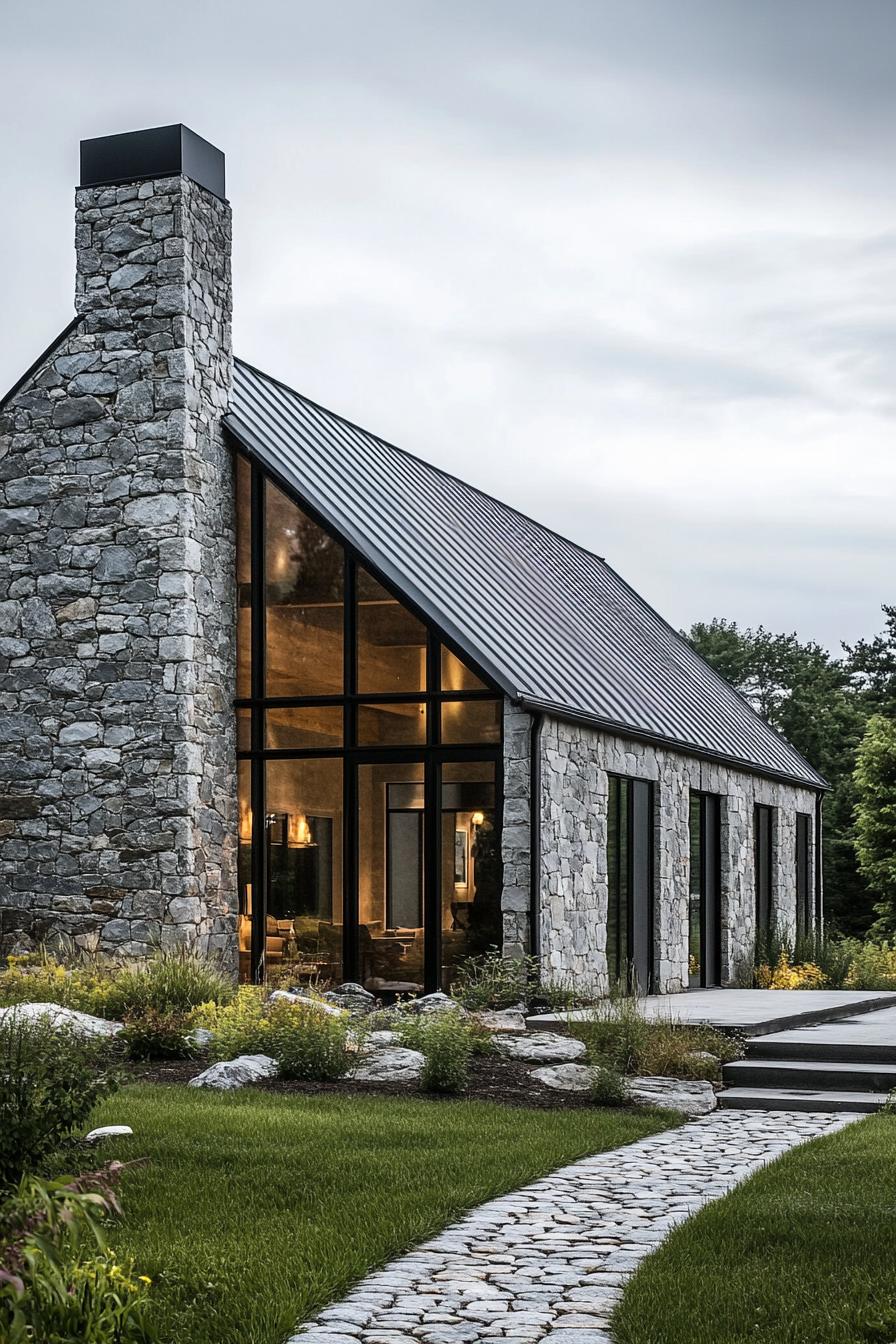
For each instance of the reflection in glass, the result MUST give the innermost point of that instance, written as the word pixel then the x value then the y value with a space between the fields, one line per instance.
pixel 304 579
pixel 391 725
pixel 304 727
pixel 471 721
pixel 390 877
pixel 391 641
pixel 456 676
pixel 470 864
pixel 303 830
pixel 244 868
pixel 243 730
pixel 243 577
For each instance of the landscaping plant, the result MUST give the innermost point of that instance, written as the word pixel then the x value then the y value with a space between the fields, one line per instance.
pixel 59 1282
pixel 51 1080
pixel 306 1041
pixel 446 1041
pixel 494 981
pixel 154 1034
pixel 619 1037
pixel 607 1087
pixel 174 980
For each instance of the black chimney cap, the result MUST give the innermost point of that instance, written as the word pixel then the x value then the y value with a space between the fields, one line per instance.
pixel 164 151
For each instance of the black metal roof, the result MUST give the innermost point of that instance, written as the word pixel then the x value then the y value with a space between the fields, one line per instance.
pixel 554 626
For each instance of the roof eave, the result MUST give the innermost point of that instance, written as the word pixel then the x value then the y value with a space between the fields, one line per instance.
pixel 563 712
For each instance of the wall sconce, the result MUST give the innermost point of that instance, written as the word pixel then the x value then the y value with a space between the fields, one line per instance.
pixel 477 818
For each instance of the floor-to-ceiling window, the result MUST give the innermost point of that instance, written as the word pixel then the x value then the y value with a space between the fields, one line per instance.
pixel 704 901
pixel 630 841
pixel 803 874
pixel 762 850
pixel 369 767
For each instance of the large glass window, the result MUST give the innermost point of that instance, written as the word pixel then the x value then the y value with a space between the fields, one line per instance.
pixel 630 840
pixel 762 846
pixel 704 901
pixel 392 643
pixel 803 874
pixel 303 836
pixel 304 580
pixel 357 734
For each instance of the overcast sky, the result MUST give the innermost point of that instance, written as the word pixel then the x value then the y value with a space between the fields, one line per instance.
pixel 630 266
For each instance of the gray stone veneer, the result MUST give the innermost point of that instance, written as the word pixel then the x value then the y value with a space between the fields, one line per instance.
pixel 117 758
pixel 575 763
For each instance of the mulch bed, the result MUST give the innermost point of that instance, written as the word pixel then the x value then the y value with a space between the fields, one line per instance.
pixel 491 1079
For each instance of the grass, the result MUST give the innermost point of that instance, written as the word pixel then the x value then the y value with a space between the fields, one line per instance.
pixel 802 1253
pixel 619 1036
pixel 255 1208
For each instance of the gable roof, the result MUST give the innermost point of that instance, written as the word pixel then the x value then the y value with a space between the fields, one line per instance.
pixel 553 625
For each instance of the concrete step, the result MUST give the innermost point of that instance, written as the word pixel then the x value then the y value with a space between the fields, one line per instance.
pixel 818 1074
pixel 825 1047
pixel 781 1099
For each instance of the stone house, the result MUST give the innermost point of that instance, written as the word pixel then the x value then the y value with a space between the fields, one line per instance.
pixel 272 686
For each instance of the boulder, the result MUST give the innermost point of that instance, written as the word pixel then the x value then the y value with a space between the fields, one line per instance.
pixel 379 1040
pixel 392 1065
pixel 352 997
pixel 501 1022
pixel 234 1073
pixel 108 1132
pixel 83 1024
pixel 428 1004
pixel 567 1077
pixel 200 1037
pixel 316 1005
pixel 540 1047
pixel 674 1094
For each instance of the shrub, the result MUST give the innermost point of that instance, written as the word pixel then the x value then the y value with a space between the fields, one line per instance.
pixel 784 975
pixel 446 1040
pixel 305 1041
pixel 494 981
pixel 308 1043
pixel 58 1282
pixel 155 1035
pixel 608 1087
pixel 618 1036
pixel 52 1079
pixel 174 980
pixel 872 966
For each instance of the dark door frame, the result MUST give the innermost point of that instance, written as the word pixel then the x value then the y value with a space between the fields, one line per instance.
pixel 710 823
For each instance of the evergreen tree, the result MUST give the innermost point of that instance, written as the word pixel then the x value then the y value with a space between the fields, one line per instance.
pixel 875 779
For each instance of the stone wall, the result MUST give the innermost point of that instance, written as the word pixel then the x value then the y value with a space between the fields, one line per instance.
pixel 117 649
pixel 575 763
pixel 515 849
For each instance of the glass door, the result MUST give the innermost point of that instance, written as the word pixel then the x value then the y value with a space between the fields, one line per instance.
pixel 391 872
pixel 470 874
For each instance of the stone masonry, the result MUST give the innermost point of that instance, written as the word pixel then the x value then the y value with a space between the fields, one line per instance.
pixel 117 648
pixel 575 763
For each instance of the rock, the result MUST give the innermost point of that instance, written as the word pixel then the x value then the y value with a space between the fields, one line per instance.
pixel 567 1077
pixel 705 1058
pixel 676 1094
pixel 306 1001
pixel 200 1037
pixel 392 1065
pixel 379 1040
pixel 540 1047
pixel 507 1020
pixel 108 1132
pixel 83 1024
pixel 234 1073
pixel 353 997
pixel 427 1004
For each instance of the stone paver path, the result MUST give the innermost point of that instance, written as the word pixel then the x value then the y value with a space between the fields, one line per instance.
pixel 547 1263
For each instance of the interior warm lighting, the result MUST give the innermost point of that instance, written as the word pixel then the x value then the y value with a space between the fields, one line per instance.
pixel 245 823
pixel 299 833
pixel 478 818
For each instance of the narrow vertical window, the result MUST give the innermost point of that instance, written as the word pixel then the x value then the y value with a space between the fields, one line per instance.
pixel 803 875
pixel 762 840
pixel 705 896
pixel 629 945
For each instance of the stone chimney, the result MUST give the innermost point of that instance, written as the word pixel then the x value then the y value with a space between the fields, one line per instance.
pixel 117 599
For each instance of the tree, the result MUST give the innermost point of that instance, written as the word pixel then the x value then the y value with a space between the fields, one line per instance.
pixel 817 703
pixel 875 779
pixel 873 663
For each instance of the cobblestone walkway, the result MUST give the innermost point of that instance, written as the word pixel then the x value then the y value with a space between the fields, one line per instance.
pixel 547 1263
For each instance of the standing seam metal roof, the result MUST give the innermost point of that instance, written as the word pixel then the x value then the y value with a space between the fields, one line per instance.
pixel 555 626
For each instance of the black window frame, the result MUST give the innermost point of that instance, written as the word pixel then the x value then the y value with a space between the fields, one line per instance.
pixel 763 862
pixel 804 892
pixel 634 800
pixel 433 753
pixel 710 886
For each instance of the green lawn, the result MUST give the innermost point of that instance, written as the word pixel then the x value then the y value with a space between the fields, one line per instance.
pixel 256 1209
pixel 802 1253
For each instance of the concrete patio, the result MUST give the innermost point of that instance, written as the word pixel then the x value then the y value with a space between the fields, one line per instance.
pixel 756 1012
